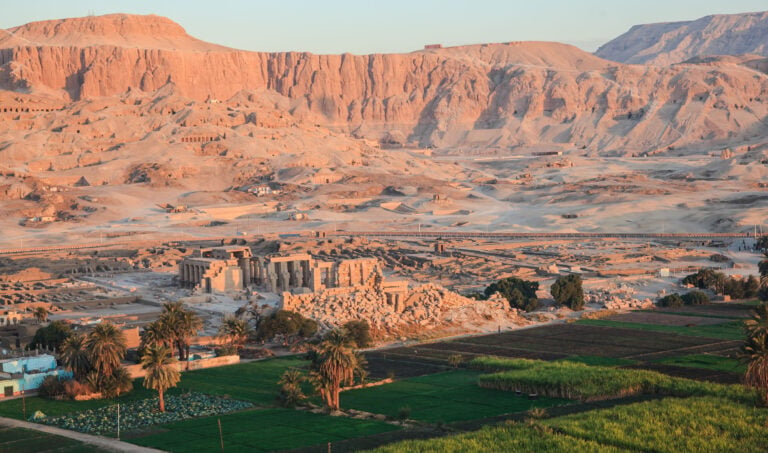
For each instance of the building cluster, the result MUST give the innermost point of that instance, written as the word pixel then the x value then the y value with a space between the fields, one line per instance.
pixel 24 374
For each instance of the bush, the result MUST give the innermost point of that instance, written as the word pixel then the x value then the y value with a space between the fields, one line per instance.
pixel 359 333
pixel 567 290
pixel 695 298
pixel 51 387
pixel 404 413
pixel 520 294
pixel 671 300
pixel 74 388
pixel 286 323
pixel 51 336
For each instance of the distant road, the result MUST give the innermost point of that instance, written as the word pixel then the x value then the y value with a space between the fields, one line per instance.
pixel 408 234
pixel 506 235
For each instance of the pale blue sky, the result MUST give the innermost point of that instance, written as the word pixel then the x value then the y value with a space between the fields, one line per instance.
pixel 367 26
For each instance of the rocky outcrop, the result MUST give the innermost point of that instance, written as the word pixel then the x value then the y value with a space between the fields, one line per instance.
pixel 675 42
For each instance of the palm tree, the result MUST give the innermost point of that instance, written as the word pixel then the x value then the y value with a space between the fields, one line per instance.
pixel 183 324
pixel 191 324
pixel 106 348
pixel 75 356
pixel 162 373
pixel 40 313
pixel 762 266
pixel 755 351
pixel 334 363
pixel 235 331
pixel 156 333
pixel 291 393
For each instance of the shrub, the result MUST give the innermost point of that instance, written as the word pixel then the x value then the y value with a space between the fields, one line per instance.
pixel 51 336
pixel 359 333
pixel 74 388
pixel 286 323
pixel 695 298
pixel 671 300
pixel 455 360
pixel 520 294
pixel 51 387
pixel 567 290
pixel 404 413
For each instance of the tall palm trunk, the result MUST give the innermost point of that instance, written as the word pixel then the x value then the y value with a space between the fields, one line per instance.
pixel 162 400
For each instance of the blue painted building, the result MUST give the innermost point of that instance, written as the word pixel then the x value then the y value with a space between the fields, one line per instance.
pixel 28 373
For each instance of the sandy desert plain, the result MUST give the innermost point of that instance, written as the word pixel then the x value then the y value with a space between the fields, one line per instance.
pixel 126 145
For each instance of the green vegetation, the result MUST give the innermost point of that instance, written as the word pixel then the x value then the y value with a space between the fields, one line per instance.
pixel 671 300
pixel 717 281
pixel 286 323
pixel 706 362
pixel 695 298
pixel 521 294
pixel 334 365
pixel 161 372
pixel 51 336
pixel 359 333
pixel 235 332
pixel 567 291
pixel 19 440
pixel 443 397
pixel 725 331
pixel 583 382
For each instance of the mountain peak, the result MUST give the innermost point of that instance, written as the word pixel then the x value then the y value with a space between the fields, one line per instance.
pixel 121 30
pixel 674 42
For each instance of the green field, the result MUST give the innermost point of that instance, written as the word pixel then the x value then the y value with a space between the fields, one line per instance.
pixel 725 331
pixel 701 424
pixel 20 440
pixel 442 397
pixel 599 361
pixel 258 430
pixel 706 362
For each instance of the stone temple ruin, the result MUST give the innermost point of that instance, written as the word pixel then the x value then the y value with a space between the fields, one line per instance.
pixel 333 292
pixel 233 268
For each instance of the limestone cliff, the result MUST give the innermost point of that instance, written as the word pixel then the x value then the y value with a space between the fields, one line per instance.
pixel 499 95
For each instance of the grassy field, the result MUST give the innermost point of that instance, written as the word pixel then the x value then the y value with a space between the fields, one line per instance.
pixel 706 362
pixel 258 430
pixel 726 331
pixel 583 382
pixel 442 397
pixel 19 440
pixel 702 424
pixel 599 361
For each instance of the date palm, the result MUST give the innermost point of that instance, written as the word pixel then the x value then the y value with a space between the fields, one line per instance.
pixel 161 371
pixel 235 331
pixel 157 333
pixel 106 348
pixel 334 364
pixel 74 356
pixel 755 351
pixel 183 324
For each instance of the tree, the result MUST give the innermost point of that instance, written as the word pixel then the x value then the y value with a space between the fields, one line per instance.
pixel 359 333
pixel 235 331
pixel 520 294
pixel 334 363
pixel 181 325
pixel 40 313
pixel 291 393
pixel 156 333
pixel 286 323
pixel 106 348
pixel 706 279
pixel 762 243
pixel 567 290
pixel 671 300
pixel 695 298
pixel 762 266
pixel 51 336
pixel 755 351
pixel 75 356
pixel 118 383
pixel 162 373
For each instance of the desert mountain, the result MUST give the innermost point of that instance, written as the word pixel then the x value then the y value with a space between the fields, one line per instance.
pixel 496 95
pixel 675 42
